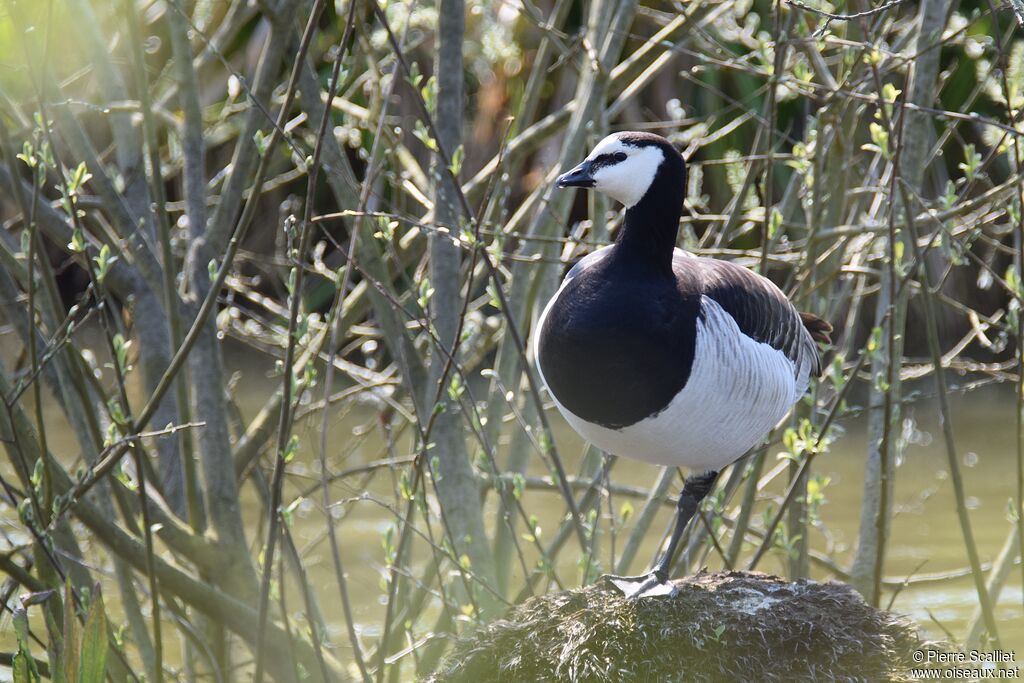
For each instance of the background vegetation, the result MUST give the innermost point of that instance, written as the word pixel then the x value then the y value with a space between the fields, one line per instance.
pixel 268 271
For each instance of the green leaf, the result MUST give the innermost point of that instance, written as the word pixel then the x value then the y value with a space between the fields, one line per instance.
pixel 121 347
pixel 626 511
pixel 518 485
pixel 494 300
pixel 875 340
pixel 103 262
pixel 774 222
pixel 880 136
pixel 426 292
pixel 36 598
pixel 971 163
pixel 458 156
pixel 291 449
pixel 27 155
pixel 405 485
pixel 1012 281
pixel 950 196
pixel 415 77
pixel 261 141
pixel 72 647
pixel 93 658
pixel 293 278
pixel 24 665
pixel 429 94
pixel 424 136
pixel 890 92
pixel 79 177
pixel 455 387
pixel 288 513
pixel 544 439
pixel 37 474
pixel 48 155
pixel 77 243
pixel 22 668
pixel 789 440
pixel 386 228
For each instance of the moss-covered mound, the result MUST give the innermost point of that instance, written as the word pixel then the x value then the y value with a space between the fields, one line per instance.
pixel 734 626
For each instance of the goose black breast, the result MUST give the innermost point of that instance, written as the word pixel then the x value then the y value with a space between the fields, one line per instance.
pixel 617 343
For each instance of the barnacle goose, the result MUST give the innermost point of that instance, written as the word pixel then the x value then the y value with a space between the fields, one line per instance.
pixel 656 354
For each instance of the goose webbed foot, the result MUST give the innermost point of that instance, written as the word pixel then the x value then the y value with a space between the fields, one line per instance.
pixel 653 584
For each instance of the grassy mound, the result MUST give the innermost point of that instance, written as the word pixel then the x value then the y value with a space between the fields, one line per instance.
pixel 730 626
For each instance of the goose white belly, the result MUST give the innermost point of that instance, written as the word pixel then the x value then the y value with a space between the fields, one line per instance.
pixel 737 391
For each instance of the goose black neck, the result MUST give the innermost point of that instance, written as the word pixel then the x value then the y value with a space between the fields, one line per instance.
pixel 648 234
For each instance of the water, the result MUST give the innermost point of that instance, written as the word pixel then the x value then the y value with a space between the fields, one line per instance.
pixel 926 535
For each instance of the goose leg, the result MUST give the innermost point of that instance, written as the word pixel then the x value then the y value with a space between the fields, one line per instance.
pixel 655 582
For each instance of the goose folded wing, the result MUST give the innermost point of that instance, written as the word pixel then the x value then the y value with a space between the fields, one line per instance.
pixel 762 311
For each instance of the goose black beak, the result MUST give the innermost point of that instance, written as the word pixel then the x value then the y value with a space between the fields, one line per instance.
pixel 581 176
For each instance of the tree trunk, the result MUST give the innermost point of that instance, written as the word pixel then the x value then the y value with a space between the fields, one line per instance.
pixel 453 475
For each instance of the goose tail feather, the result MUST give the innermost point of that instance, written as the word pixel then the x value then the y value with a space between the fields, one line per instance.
pixel 819 329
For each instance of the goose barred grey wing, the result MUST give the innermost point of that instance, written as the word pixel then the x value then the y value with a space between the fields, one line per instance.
pixel 762 311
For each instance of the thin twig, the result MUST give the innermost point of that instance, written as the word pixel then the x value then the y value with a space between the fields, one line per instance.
pixel 845 17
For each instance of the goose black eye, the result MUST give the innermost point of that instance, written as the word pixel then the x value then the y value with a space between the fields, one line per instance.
pixel 619 156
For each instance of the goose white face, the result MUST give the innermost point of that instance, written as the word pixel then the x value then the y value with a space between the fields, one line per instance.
pixel 621 170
